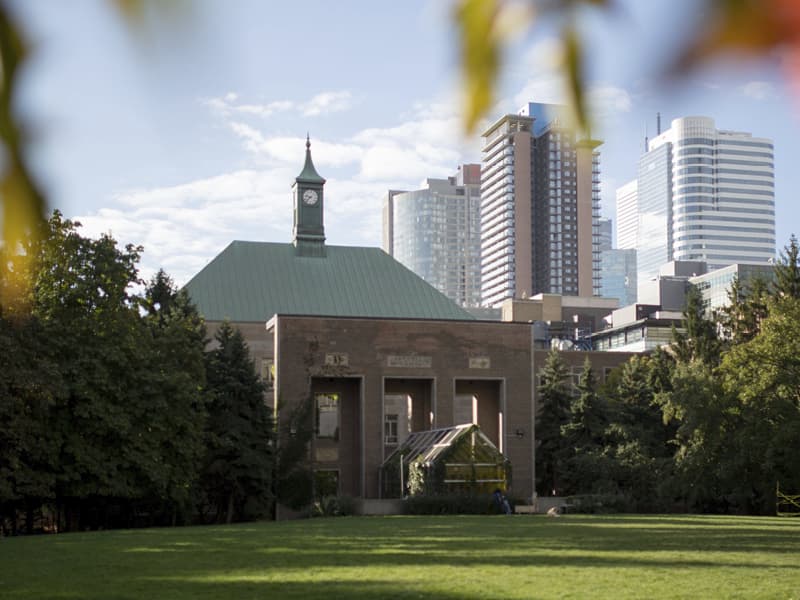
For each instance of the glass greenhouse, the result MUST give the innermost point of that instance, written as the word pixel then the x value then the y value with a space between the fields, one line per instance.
pixel 458 460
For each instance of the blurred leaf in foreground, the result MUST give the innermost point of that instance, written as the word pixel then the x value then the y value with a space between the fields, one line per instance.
pixel 22 205
pixel 751 27
pixel 480 55
pixel 486 25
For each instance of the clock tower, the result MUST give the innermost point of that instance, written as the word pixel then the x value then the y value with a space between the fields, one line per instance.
pixel 309 229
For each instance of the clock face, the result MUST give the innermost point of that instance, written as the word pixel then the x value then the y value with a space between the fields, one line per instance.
pixel 310 197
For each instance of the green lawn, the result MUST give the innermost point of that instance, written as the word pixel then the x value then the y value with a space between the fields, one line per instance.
pixel 417 557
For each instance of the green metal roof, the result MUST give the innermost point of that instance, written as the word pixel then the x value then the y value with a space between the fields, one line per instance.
pixel 252 281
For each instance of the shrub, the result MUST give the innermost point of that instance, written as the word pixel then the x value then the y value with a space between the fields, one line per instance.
pixel 334 506
pixel 448 505
pixel 600 503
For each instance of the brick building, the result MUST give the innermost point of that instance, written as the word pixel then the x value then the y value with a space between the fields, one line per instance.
pixel 377 351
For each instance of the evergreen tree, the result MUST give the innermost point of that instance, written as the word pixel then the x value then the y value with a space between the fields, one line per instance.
pixel 787 271
pixel 638 438
pixel 699 341
pixel 237 470
pixel 553 405
pixel 172 387
pixel 584 438
pixel 587 420
pixel 740 320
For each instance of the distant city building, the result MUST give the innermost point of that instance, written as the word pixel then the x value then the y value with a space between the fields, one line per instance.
pixel 562 322
pixel 540 206
pixel 605 234
pixel 714 286
pixel 647 324
pixel 435 232
pixel 701 194
pixel 618 268
pixel 627 216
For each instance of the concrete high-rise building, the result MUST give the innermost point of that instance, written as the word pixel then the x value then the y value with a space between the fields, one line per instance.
pixel 702 194
pixel 540 207
pixel 435 232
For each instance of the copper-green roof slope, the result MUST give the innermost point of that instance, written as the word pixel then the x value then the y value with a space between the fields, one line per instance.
pixel 252 281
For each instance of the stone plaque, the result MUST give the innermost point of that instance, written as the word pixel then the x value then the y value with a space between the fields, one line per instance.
pixel 327 454
pixel 337 359
pixel 409 362
pixel 480 362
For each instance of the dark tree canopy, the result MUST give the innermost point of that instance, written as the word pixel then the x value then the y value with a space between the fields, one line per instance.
pixel 105 405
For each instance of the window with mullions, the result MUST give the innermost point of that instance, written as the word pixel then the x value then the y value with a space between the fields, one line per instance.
pixel 390 429
pixel 327 416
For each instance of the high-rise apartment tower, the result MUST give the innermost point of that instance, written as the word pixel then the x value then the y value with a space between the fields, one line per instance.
pixel 540 205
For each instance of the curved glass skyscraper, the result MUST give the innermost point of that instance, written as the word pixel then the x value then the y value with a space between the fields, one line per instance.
pixel 435 232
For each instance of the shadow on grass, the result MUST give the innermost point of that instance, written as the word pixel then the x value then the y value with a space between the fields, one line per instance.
pixel 306 559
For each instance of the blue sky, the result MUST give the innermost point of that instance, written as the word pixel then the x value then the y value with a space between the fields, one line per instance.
pixel 187 133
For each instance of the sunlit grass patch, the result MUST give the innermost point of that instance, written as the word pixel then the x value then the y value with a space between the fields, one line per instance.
pixel 407 557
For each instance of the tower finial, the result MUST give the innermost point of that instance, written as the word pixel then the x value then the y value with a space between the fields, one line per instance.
pixel 308 141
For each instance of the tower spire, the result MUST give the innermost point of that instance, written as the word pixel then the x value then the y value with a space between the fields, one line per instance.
pixel 309 173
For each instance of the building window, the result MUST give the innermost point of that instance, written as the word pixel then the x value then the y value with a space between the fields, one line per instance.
pixel 267 372
pixel 327 416
pixel 390 435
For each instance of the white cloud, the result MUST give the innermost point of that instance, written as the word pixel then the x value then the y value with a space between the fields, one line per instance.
pixel 608 197
pixel 758 90
pixel 394 163
pixel 265 110
pixel 548 89
pixel 326 103
pixel 288 149
pixel 321 104
pixel 546 83
pixel 182 227
pixel 607 100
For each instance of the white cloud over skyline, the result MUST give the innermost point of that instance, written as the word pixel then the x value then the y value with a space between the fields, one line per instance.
pixel 758 90
pixel 184 226
pixel 320 104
